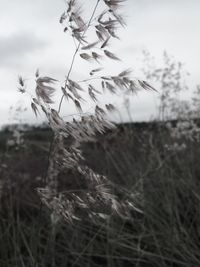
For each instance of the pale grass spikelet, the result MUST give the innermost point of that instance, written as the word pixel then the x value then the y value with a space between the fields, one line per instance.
pixel 111 55
pixel 63 17
pixel 145 85
pixel 93 89
pixel 110 87
pixel 34 108
pixel 133 86
pixel 120 19
pixel 85 56
pixel 21 82
pixel 89 46
pixel 110 107
pixel 96 56
pixel 99 111
pixel 65 29
pixel 105 43
pixel 91 94
pixel 37 73
pixel 75 84
pixel 74 92
pixel 78 105
pixel 119 82
pixel 111 31
pixel 102 33
pixel 21 90
pixel 56 117
pixel 125 73
pixel 100 36
pixel 43 90
pixel 36 101
pixel 92 72
pixel 114 4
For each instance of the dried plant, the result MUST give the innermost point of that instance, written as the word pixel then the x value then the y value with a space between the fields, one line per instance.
pixel 180 115
pixel 97 201
pixel 171 80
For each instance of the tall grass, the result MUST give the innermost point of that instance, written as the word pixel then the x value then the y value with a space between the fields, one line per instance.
pixel 96 199
pixel 164 183
pixel 109 196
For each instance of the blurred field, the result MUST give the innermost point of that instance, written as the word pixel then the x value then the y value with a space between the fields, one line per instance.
pixel 135 157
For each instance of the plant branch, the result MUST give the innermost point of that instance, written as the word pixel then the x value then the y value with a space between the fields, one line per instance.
pixel 75 53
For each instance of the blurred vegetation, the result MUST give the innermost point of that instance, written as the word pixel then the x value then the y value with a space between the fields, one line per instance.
pixel 135 157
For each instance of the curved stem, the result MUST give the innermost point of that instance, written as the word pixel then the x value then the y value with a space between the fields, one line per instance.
pixel 75 53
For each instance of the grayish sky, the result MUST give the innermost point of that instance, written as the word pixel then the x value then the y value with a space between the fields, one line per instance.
pixel 31 38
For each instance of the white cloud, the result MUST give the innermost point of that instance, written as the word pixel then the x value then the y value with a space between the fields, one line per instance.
pixel 14 48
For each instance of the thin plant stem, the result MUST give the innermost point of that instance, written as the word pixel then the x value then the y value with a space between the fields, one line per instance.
pixel 75 53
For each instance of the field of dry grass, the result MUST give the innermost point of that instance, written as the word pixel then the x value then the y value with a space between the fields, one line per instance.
pixel 165 184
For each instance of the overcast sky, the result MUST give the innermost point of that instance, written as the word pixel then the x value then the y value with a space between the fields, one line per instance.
pixel 31 37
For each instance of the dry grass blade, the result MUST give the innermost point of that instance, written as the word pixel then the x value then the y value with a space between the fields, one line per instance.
pixel 85 56
pixel 93 89
pixel 35 100
pixel 111 55
pixel 56 117
pixel 65 29
pixel 101 16
pixel 96 56
pixel 67 95
pixel 95 70
pixel 92 95
pixel 21 90
pixel 75 84
pixel 89 46
pixel 146 86
pixel 46 80
pixel 99 111
pixel 37 73
pixel 103 85
pixel 44 110
pixel 34 108
pixel 114 4
pixel 102 30
pixel 74 92
pixel 21 81
pixel 120 19
pixel 64 91
pixel 71 3
pixel 100 36
pixel 125 73
pixel 78 37
pixel 78 105
pixel 63 17
pixel 133 86
pixel 112 32
pixel 106 78
pixel 43 90
pixel 105 43
pixel 110 87
pixel 110 107
pixel 118 81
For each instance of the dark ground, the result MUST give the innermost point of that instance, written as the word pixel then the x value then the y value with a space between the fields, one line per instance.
pixel 167 234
